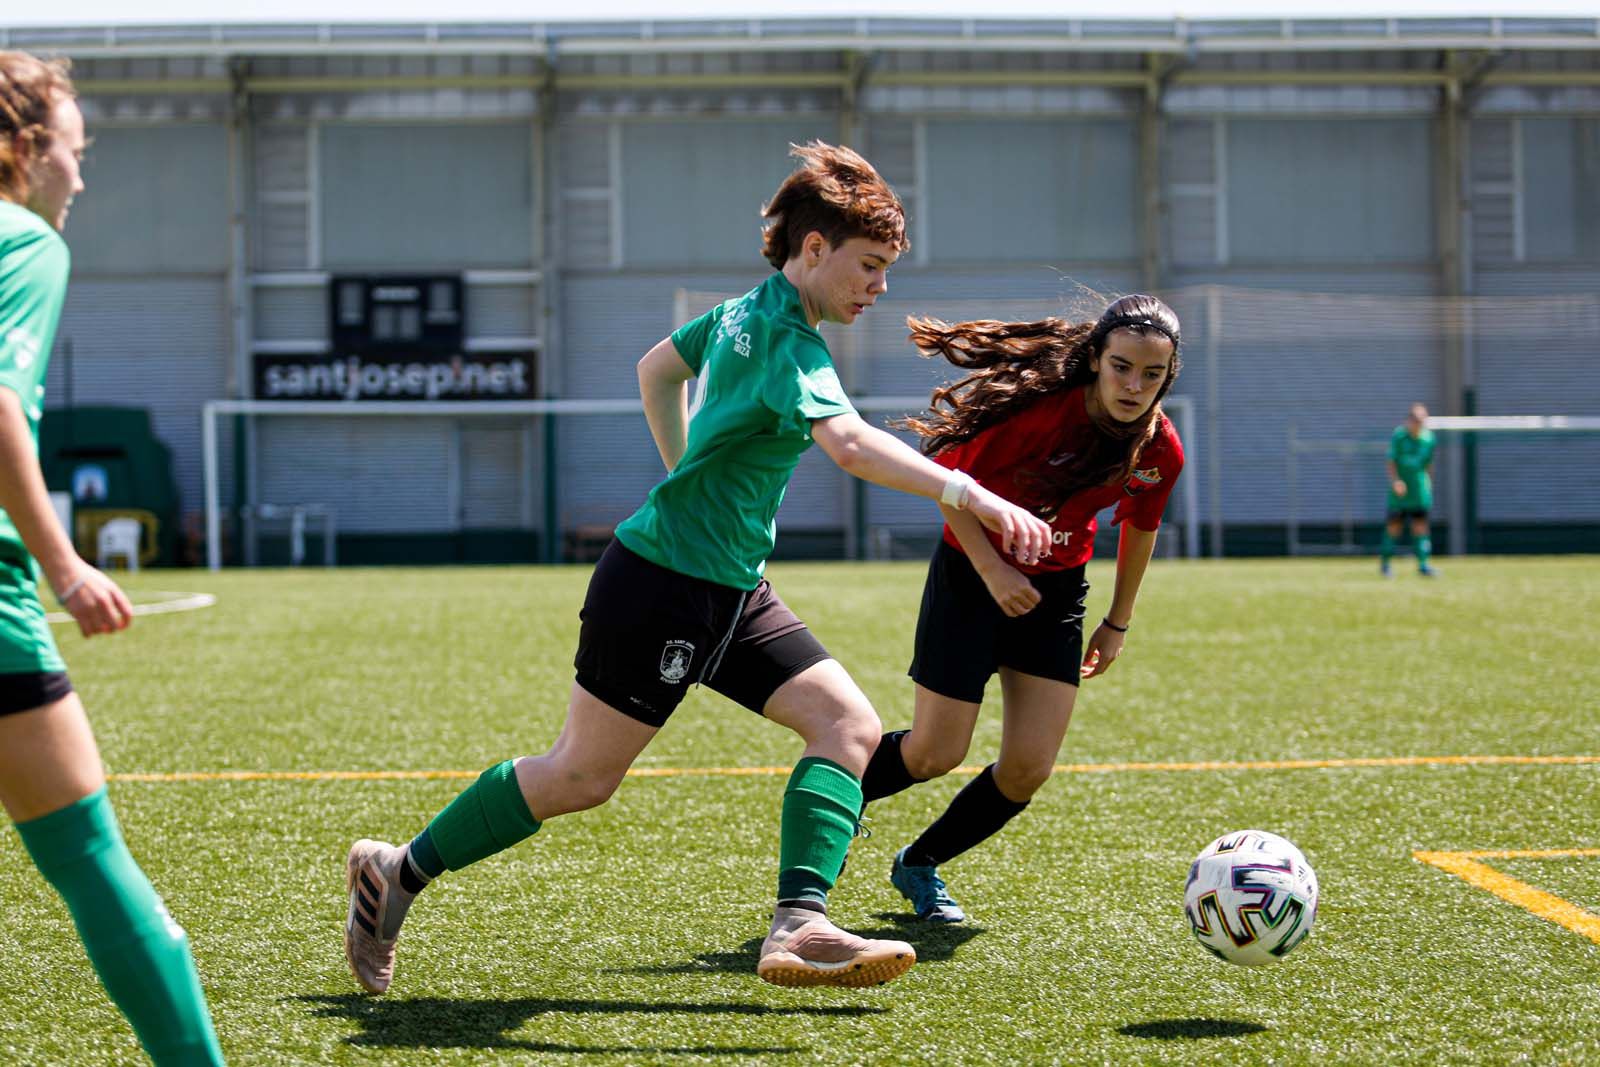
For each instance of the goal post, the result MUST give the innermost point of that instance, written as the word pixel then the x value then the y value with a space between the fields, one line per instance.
pixel 214 409
pixel 1336 483
pixel 1183 515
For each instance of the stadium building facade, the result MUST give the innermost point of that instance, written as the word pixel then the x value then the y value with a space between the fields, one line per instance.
pixel 1348 216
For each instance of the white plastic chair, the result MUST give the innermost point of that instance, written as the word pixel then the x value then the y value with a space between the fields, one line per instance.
pixel 120 537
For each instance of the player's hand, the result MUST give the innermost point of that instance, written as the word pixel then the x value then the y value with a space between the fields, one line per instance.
pixel 1105 645
pixel 1399 487
pixel 1011 589
pixel 1025 536
pixel 94 601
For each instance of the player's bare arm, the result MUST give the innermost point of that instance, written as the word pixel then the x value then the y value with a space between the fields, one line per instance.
pixel 93 599
pixel 1134 549
pixel 663 387
pixel 1010 588
pixel 877 456
pixel 1395 480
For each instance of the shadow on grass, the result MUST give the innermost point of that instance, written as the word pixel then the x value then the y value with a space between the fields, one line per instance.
pixel 1190 1029
pixel 933 942
pixel 436 1022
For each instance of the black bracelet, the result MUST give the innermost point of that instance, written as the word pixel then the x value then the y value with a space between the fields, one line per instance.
pixel 1114 626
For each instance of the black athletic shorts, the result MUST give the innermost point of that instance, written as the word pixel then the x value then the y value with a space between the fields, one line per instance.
pixel 32 689
pixel 963 637
pixel 1396 514
pixel 648 633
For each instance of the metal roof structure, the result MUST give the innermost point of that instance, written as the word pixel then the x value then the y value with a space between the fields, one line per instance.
pixel 556 39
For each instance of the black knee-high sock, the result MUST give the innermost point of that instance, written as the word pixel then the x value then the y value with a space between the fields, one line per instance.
pixel 976 813
pixel 886 772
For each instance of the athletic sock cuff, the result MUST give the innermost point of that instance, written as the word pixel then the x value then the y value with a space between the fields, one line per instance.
pixel 504 805
pixel 828 780
pixel 990 791
pixel 488 817
pixel 423 856
pixel 75 832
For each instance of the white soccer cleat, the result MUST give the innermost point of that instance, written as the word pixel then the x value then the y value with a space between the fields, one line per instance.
pixel 369 874
pixel 815 952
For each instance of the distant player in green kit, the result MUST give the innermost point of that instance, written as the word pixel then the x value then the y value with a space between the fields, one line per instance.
pixel 51 781
pixel 679 598
pixel 1410 465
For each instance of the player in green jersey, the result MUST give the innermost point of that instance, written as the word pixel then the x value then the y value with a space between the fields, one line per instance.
pixel 1410 463
pixel 679 598
pixel 51 781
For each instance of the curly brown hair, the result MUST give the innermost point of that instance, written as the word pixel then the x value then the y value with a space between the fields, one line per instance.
pixel 836 193
pixel 29 90
pixel 1013 364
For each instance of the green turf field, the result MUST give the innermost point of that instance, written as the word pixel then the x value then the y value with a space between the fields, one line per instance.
pixel 628 935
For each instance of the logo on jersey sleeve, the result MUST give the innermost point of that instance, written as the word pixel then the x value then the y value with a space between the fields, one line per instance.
pixel 25 346
pixel 732 327
pixel 675 660
pixel 1148 476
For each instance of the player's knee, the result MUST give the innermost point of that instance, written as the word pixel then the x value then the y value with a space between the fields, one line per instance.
pixel 589 793
pixel 580 789
pixel 934 761
pixel 859 729
pixel 1020 780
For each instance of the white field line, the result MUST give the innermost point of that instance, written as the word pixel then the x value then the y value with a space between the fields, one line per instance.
pixel 175 602
pixel 741 772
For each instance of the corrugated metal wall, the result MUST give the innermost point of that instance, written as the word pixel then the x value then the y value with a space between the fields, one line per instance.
pixel 1022 199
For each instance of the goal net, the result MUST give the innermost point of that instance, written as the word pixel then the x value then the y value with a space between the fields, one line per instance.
pixel 1338 487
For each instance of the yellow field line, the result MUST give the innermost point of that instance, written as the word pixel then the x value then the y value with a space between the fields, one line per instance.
pixel 739 772
pixel 1465 865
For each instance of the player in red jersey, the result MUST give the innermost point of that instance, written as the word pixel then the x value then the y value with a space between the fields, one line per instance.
pixel 1064 418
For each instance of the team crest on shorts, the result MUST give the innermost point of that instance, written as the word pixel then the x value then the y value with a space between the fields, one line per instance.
pixel 675 660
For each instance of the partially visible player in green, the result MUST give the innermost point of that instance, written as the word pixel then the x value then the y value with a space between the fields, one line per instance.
pixel 1410 463
pixel 679 597
pixel 51 781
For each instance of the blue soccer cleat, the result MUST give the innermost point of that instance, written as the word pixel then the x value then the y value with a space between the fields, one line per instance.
pixel 923 887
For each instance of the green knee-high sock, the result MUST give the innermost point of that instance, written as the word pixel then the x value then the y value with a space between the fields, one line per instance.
pixel 1424 547
pixel 819 819
pixel 1386 548
pixel 141 955
pixel 489 816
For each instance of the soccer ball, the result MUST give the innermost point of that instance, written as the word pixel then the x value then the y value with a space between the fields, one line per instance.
pixel 1251 897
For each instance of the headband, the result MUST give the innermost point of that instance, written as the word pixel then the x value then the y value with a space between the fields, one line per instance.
pixel 1137 320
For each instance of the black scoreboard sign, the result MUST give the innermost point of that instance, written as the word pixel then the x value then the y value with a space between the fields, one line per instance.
pixel 388 313
pixel 396 337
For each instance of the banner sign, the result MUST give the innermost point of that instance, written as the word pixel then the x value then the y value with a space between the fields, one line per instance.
pixel 476 376
pixel 396 337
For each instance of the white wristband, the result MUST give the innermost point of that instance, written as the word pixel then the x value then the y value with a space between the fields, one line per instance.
pixel 957 490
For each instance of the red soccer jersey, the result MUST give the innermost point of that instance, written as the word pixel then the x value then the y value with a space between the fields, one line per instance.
pixel 1046 431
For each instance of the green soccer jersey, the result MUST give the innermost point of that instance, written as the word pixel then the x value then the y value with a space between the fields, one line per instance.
pixel 1411 457
pixel 764 375
pixel 33 284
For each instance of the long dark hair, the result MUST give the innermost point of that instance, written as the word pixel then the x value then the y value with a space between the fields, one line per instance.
pixel 1012 364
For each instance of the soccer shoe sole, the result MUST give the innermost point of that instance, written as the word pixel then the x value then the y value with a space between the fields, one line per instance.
pixel 352 871
pixel 867 969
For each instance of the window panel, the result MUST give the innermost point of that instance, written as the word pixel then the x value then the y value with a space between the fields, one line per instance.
pixel 155 200
pixel 1330 191
pixel 1561 199
pixel 1032 190
pixel 692 191
pixel 412 197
